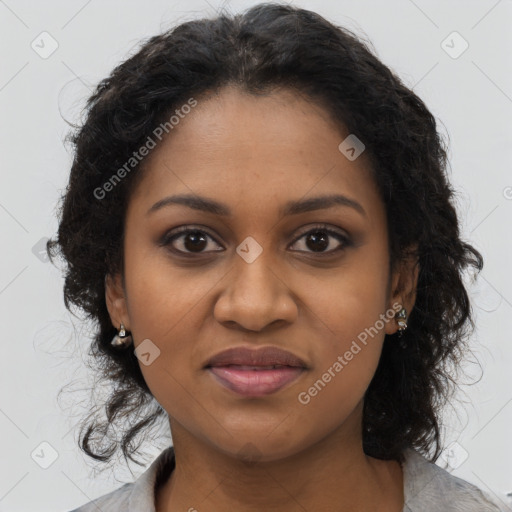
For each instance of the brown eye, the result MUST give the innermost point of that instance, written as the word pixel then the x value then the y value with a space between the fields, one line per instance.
pixel 188 240
pixel 319 239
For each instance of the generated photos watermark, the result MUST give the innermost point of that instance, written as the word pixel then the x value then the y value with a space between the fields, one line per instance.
pixel 304 397
pixel 137 156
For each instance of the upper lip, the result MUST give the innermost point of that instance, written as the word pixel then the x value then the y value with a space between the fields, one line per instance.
pixel 266 356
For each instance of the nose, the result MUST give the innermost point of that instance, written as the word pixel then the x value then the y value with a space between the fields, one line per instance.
pixel 255 296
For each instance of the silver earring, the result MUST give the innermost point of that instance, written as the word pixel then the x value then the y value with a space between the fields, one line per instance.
pixel 402 320
pixel 122 340
pixel 402 324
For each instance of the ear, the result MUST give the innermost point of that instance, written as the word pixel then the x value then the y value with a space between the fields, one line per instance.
pixel 116 301
pixel 404 282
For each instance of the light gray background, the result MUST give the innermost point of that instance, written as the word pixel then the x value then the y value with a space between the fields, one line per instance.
pixel 470 95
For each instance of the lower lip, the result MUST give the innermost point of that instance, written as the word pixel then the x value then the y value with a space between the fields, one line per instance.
pixel 255 383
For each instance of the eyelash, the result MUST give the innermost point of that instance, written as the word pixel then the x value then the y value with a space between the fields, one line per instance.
pixel 170 237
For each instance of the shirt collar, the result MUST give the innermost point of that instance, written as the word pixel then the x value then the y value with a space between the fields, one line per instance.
pixel 142 496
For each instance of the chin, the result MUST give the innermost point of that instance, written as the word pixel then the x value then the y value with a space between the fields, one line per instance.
pixel 259 447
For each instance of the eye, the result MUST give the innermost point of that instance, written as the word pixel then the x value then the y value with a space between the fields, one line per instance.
pixel 190 240
pixel 320 238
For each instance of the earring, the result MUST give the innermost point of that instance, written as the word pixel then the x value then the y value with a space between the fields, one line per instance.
pixel 402 324
pixel 402 320
pixel 122 340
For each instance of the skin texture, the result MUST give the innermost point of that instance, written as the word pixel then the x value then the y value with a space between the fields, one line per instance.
pixel 254 154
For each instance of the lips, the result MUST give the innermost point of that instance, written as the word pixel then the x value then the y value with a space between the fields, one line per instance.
pixel 262 358
pixel 255 372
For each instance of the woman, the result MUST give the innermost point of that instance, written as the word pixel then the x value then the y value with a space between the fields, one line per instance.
pixel 259 220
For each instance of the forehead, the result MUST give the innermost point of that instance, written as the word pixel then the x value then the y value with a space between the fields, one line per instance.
pixel 256 151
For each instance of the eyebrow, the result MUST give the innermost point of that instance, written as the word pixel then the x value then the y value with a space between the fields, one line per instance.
pixel 208 205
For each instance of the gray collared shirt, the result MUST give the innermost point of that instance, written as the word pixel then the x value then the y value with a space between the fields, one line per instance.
pixel 427 488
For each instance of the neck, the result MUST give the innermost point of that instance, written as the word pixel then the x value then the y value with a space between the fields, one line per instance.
pixel 333 474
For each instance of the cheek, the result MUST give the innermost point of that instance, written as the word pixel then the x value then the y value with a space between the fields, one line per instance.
pixel 345 362
pixel 163 297
pixel 348 310
pixel 169 306
pixel 349 300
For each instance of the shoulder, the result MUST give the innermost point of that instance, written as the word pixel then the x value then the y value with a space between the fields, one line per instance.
pixel 138 495
pixel 115 500
pixel 428 487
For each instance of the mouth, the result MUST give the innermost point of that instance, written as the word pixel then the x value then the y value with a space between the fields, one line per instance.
pixel 253 372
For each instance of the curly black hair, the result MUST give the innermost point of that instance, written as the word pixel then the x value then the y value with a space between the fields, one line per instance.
pixel 272 46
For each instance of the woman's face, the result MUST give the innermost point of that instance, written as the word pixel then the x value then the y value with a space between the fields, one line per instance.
pixel 248 274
